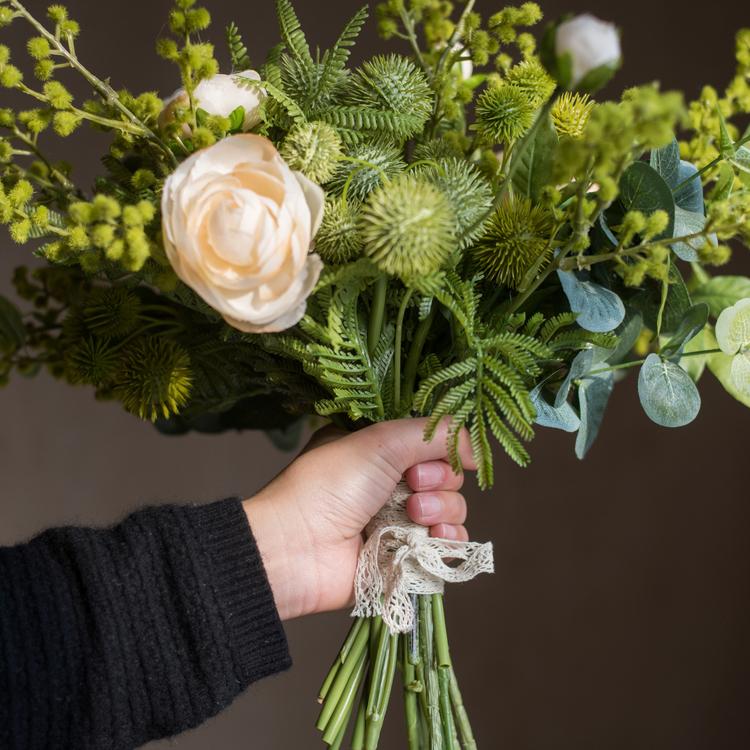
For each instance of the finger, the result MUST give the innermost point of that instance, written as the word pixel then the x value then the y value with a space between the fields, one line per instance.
pixel 451 532
pixel 435 508
pixel 401 443
pixel 433 475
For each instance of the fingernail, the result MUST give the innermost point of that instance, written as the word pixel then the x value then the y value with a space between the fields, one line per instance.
pixel 429 506
pixel 430 475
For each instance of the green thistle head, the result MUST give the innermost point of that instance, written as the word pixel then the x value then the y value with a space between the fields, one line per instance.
pixel 91 361
pixel 504 113
pixel 516 238
pixel 392 83
pixel 408 227
pixel 367 165
pixel 154 379
pixel 468 193
pixel 338 240
pixel 112 312
pixel 313 148
pixel 533 80
pixel 570 113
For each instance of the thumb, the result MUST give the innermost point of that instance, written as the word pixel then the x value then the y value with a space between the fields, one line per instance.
pixel 402 444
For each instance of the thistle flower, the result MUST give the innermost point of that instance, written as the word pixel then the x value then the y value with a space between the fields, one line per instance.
pixel 408 227
pixel 112 312
pixel 314 149
pixel 516 239
pixel 92 361
pixel 504 113
pixel 154 379
pixel 570 113
pixel 468 193
pixel 338 240
pixel 367 165
pixel 531 78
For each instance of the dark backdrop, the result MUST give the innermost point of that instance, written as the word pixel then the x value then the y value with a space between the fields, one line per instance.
pixel 619 614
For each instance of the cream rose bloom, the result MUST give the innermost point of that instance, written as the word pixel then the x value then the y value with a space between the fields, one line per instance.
pixel 238 226
pixel 220 95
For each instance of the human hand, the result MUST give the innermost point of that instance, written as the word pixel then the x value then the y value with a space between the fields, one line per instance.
pixel 308 522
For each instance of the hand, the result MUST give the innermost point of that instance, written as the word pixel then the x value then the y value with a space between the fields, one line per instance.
pixel 308 522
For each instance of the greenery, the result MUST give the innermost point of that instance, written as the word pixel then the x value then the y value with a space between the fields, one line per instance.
pixel 496 250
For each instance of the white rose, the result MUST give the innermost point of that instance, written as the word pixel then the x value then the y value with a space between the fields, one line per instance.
pixel 238 226
pixel 591 44
pixel 220 96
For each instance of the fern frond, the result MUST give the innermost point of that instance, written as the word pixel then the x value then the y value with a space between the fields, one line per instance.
pixel 553 325
pixel 581 339
pixel 237 50
pixel 292 34
pixel 364 118
pixel 335 59
pixel 533 324
pixel 286 102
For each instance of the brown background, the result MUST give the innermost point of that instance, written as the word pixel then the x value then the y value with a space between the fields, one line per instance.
pixel 619 614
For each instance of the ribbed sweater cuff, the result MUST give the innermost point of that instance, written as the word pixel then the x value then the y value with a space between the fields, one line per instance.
pixel 242 590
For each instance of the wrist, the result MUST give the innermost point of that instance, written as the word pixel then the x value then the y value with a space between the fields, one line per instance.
pixel 284 558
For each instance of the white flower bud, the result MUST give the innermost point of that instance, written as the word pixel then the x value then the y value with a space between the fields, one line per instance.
pixel 590 44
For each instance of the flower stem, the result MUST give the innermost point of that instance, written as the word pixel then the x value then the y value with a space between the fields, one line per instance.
pixel 340 719
pixel 431 679
pixel 377 313
pixel 637 362
pixel 462 717
pixel 411 688
pixel 397 349
pixel 415 355
pixel 340 659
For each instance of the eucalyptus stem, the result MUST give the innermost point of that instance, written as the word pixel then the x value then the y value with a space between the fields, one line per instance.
pixel 720 158
pixel 397 348
pixel 377 313
pixel 638 362
pixel 411 704
pixel 432 689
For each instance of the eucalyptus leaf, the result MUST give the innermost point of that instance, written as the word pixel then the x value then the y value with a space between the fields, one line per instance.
pixel 722 292
pixel 12 330
pixel 627 333
pixel 687 223
pixel 678 302
pixel 691 325
pixel 583 363
pixel 695 365
pixel 561 417
pixel 642 188
pixel 599 309
pixel 593 397
pixel 533 166
pixel 667 393
pixel 688 191
pixel 666 161
pixel 721 366
pixel 741 159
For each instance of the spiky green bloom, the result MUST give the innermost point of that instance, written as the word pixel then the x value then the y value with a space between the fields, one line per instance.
pixel 91 361
pixel 467 191
pixel 155 378
pixel 338 240
pixel 436 148
pixel 516 238
pixel 392 83
pixel 367 165
pixel 570 113
pixel 112 312
pixel 313 148
pixel 408 227
pixel 504 113
pixel 531 78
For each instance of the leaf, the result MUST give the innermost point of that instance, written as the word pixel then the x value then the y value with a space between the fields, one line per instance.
pixel 627 333
pixel 292 34
pixel 687 223
pixel 678 302
pixel 561 417
pixel 583 364
pixel 642 188
pixel 593 397
pixel 237 50
pixel 688 191
pixel 726 144
pixel 722 292
pixel 334 60
pixel 291 107
pixel 721 367
pixel 236 119
pixel 12 330
pixel 599 309
pixel 694 366
pixel 666 161
pixel 692 324
pixel 533 165
pixel 667 393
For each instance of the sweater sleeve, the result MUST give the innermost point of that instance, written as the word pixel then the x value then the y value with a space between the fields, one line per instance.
pixel 112 638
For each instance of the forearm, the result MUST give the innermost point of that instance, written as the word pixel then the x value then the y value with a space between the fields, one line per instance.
pixel 110 638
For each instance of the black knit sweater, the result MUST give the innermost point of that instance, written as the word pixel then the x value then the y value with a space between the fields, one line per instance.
pixel 111 638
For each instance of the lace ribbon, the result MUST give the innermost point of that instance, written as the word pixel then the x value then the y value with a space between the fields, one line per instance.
pixel 400 558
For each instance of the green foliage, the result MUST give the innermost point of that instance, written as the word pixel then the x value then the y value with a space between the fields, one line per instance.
pixel 238 55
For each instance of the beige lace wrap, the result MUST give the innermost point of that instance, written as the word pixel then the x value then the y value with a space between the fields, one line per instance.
pixel 400 558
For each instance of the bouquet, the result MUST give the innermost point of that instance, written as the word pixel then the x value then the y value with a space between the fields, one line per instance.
pixel 460 231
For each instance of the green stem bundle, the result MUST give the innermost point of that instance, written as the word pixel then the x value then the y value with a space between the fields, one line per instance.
pixel 357 690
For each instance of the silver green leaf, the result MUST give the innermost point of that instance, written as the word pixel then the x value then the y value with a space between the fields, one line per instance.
pixel 667 393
